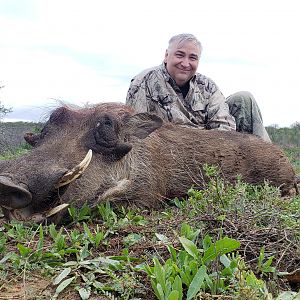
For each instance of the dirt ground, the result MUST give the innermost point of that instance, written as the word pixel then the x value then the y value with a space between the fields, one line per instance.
pixel 36 287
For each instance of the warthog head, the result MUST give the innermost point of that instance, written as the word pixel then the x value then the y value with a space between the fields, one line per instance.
pixel 44 182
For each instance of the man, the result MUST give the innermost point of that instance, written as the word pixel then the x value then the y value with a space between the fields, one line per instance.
pixel 175 92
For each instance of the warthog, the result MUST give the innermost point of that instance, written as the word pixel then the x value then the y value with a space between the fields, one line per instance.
pixel 109 153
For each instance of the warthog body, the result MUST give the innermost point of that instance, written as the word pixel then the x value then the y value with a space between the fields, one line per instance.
pixel 136 158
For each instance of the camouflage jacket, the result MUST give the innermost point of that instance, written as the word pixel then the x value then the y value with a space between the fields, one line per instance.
pixel 204 106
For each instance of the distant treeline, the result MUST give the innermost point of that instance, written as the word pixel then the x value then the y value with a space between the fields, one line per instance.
pixel 286 137
pixel 12 134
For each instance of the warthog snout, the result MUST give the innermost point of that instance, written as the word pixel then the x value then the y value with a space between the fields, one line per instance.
pixel 13 196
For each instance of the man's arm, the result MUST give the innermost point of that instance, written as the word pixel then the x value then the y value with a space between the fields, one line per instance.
pixel 136 96
pixel 217 111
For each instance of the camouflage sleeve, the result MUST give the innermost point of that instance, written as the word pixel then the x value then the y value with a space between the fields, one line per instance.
pixel 217 110
pixel 218 113
pixel 137 95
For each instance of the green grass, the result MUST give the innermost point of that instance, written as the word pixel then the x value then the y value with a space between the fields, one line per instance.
pixel 293 153
pixel 14 153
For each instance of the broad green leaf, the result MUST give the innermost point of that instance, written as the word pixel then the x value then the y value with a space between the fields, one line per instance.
pixel 288 296
pixel 72 211
pixel 65 272
pixel 148 269
pixel 196 283
pixel 84 293
pixel 225 261
pixel 71 263
pixel 63 285
pixel 227 245
pixel 172 252
pixel 209 282
pixel 269 261
pixel 98 285
pixel 154 287
pixel 177 286
pixel 124 258
pixel 174 295
pixel 52 231
pixel 87 231
pixel 132 239
pixel 193 265
pixel 6 257
pixel 159 274
pixel 98 238
pixel 189 247
pixel 206 242
pixel 160 292
pixel 168 286
pixel 106 261
pixel 24 251
pixel 182 258
pixel 261 254
pixel 210 254
pixel 40 243
pixel 219 248
pixel 185 277
pixel 162 238
pixel 185 229
pixel 252 281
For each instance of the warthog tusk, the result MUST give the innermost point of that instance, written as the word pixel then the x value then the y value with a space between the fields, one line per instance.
pixel 56 209
pixel 26 215
pixel 75 172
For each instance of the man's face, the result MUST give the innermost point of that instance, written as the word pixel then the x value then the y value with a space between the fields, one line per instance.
pixel 182 61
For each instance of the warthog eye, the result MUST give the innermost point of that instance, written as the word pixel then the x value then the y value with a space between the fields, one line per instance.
pixel 106 120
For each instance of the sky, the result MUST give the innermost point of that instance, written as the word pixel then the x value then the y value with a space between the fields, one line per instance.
pixel 85 52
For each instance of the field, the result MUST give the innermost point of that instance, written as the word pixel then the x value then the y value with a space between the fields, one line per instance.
pixel 225 242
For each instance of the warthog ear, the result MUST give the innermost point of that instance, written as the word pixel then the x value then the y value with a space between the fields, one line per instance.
pixel 106 138
pixel 31 138
pixel 142 124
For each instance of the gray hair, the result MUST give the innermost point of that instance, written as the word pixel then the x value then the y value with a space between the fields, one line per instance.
pixel 185 37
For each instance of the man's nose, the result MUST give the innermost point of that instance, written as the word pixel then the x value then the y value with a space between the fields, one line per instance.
pixel 185 62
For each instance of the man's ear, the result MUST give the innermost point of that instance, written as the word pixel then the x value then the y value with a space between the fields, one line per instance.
pixel 142 124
